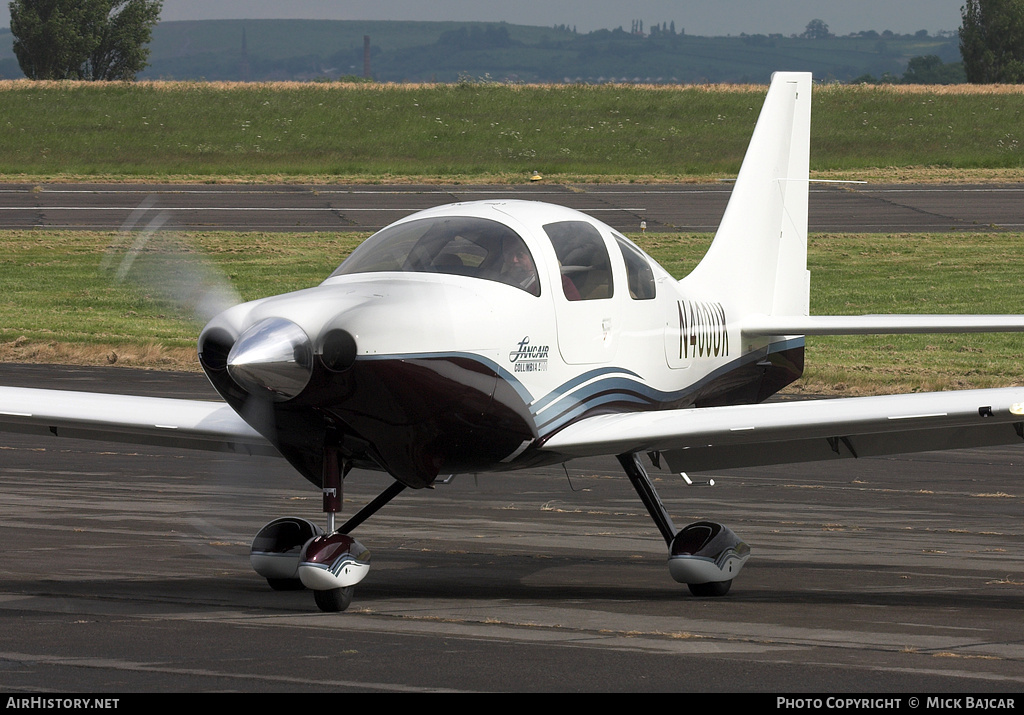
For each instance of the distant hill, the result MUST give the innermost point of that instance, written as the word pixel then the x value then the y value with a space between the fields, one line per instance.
pixel 448 51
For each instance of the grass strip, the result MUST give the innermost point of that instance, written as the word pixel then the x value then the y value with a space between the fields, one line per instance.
pixel 486 132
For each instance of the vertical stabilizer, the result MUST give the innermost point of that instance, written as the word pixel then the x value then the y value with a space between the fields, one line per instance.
pixel 759 254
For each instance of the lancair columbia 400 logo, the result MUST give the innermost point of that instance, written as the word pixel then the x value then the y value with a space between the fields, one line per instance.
pixel 529 358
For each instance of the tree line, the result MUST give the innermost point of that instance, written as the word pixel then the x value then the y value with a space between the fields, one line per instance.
pixel 992 41
pixel 83 39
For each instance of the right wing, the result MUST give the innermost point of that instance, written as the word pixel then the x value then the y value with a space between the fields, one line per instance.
pixel 711 438
pixel 190 424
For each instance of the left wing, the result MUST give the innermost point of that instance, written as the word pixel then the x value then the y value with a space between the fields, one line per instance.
pixel 710 438
pixel 192 424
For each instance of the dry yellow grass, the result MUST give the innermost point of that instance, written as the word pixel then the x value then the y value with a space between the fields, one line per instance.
pixel 940 89
pixel 177 85
pixel 151 355
pixel 880 175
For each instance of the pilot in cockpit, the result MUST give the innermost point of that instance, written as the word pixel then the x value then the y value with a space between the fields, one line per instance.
pixel 518 268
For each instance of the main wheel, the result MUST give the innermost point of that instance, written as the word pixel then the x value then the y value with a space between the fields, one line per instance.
pixel 334 600
pixel 715 588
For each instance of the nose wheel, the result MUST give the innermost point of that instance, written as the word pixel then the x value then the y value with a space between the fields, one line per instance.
pixel 334 600
pixel 713 589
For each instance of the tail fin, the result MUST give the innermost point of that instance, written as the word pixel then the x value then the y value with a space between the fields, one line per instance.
pixel 760 251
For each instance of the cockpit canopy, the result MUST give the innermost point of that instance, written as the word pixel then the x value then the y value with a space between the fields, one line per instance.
pixel 456 245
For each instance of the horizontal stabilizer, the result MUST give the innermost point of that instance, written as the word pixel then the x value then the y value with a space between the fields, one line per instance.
pixel 879 324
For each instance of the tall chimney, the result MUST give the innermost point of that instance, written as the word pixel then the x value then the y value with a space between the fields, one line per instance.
pixel 366 57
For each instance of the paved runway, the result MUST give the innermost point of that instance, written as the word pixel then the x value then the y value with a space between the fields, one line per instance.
pixel 686 207
pixel 126 569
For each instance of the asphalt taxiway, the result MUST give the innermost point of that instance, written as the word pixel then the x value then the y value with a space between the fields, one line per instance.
pixel 125 569
pixel 837 207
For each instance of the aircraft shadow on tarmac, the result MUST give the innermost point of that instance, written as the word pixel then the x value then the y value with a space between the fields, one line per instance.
pixel 533 579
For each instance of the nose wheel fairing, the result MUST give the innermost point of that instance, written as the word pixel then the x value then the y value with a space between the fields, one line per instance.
pixel 333 561
pixel 294 553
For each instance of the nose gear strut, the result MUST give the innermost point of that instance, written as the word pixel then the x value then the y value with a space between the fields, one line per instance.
pixel 332 564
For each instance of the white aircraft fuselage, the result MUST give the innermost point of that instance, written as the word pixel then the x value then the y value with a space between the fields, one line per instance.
pixel 453 366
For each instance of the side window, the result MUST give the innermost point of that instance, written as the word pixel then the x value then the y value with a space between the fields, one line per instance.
pixel 582 260
pixel 638 271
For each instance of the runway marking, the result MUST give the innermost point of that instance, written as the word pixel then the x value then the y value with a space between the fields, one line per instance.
pixel 265 209
pixel 383 192
pixel 510 193
pixel 39 215
pixel 517 191
pixel 297 192
pixel 961 190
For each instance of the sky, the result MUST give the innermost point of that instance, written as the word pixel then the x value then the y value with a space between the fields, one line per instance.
pixel 697 17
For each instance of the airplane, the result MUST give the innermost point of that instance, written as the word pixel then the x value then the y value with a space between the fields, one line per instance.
pixel 498 335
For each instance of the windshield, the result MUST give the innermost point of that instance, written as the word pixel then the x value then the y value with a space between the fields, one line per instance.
pixel 455 245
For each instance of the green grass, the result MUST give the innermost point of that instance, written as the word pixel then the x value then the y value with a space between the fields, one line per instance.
pixel 479 132
pixel 58 290
pixel 902 128
pixel 58 305
pixel 916 273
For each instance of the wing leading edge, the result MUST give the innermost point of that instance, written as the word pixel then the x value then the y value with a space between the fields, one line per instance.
pixel 801 431
pixel 191 424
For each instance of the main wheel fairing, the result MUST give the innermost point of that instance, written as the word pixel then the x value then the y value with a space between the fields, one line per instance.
pixel 706 552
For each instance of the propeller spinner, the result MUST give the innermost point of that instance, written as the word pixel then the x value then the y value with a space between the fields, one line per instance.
pixel 273 357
